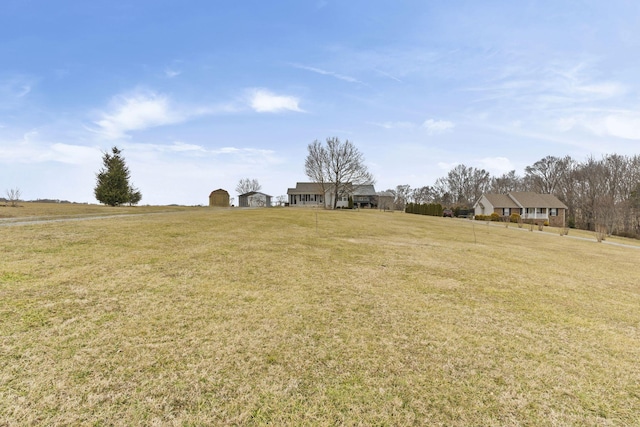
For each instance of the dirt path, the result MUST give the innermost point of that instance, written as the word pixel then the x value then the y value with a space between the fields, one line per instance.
pixel 11 222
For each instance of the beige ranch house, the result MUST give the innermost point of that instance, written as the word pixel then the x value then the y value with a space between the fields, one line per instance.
pixel 311 194
pixel 529 205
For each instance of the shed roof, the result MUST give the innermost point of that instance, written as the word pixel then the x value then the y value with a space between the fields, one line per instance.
pixel 251 193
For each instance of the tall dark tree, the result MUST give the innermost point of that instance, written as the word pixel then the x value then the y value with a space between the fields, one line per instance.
pixel 337 167
pixel 112 186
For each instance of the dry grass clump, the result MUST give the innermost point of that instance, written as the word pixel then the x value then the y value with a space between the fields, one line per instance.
pixel 254 317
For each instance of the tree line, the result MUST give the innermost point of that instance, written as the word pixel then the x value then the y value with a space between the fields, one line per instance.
pixel 602 192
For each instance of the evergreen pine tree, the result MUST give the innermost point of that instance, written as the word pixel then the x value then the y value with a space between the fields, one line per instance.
pixel 112 187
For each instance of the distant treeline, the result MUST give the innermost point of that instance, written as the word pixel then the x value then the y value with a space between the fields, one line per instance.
pixel 50 201
pixel 599 193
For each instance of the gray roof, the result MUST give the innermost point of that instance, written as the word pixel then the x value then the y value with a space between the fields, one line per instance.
pixel 536 200
pixel 385 194
pixel 306 188
pixel 524 199
pixel 364 190
pixel 251 193
pixel 501 201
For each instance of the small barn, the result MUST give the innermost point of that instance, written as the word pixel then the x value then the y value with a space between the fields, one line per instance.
pixel 254 199
pixel 219 198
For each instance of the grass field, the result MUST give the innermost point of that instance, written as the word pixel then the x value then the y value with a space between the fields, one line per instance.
pixel 276 316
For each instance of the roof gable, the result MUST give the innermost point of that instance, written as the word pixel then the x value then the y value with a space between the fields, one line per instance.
pixel 527 199
pixel 306 188
pixel 501 201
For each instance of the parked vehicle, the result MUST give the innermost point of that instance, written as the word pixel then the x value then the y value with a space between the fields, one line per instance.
pixel 447 213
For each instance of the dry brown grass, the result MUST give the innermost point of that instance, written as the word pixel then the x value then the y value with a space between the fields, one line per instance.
pixel 32 211
pixel 252 317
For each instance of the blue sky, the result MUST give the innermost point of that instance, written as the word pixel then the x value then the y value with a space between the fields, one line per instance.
pixel 199 94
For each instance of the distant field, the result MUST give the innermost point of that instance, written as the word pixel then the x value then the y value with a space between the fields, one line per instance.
pixel 301 317
pixel 58 210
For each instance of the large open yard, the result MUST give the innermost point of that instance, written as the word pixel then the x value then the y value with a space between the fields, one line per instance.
pixel 283 316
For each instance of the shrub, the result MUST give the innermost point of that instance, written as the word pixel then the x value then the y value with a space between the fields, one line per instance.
pixel 495 217
pixel 515 217
pixel 433 209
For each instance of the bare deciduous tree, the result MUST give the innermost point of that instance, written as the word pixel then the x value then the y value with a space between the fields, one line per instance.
pixel 336 165
pixel 466 184
pixel 422 195
pixel 246 185
pixel 544 174
pixel 507 183
pixel 603 193
pixel 403 193
pixel 13 196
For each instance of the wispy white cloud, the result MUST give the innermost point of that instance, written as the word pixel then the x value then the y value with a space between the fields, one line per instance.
pixel 394 125
pixel 446 166
pixel 437 126
pixel 388 76
pixel 182 147
pixel 171 73
pixel 179 148
pixel 328 73
pixel 136 111
pixel 566 84
pixel 74 154
pixel 625 125
pixel 495 165
pixel 34 148
pixel 264 101
pixel 12 89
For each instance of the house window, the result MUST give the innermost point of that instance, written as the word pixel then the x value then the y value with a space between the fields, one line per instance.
pixel 506 211
pixel 530 210
pixel 553 211
pixel 541 210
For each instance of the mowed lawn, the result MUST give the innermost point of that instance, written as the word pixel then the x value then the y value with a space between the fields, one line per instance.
pixel 285 316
